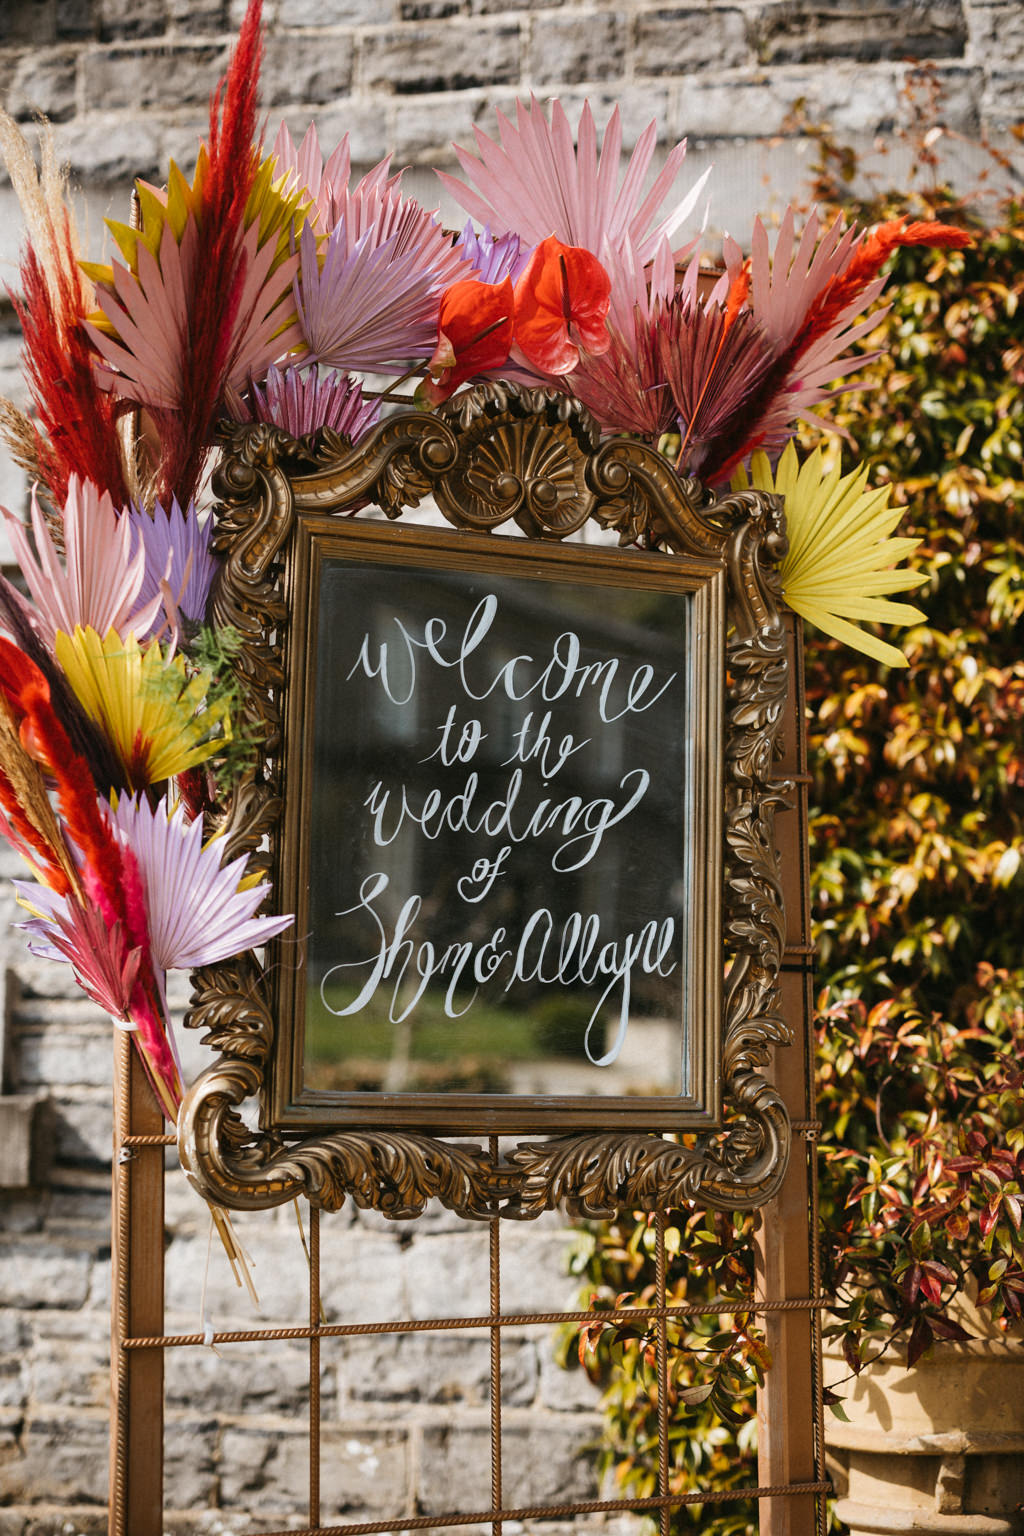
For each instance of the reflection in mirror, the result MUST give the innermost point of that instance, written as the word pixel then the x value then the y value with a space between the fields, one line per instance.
pixel 498 856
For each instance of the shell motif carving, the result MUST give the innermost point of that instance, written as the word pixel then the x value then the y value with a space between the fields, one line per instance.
pixel 524 470
pixel 493 455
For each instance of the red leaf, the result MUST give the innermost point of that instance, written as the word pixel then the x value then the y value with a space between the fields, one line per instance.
pixel 561 303
pixel 921 1338
pixel 911 1282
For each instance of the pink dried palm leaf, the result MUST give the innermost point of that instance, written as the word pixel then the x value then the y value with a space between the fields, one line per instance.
pixel 786 282
pixel 150 357
pixel 198 910
pixel 786 292
pixel 303 401
pixel 326 181
pixel 625 387
pixel 105 964
pixel 536 180
pixel 98 584
pixel 713 360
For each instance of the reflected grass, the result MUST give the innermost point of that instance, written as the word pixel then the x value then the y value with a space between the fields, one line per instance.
pixel 482 1033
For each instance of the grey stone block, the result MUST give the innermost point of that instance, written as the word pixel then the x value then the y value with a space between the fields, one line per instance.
pixel 684 39
pixel 567 48
pixel 565 1390
pixel 190 1460
pixel 64 1457
pixel 43 81
pixel 489 7
pixel 364 119
pixel 195 16
pixel 336 13
pixel 74 19
pixel 143 77
pixel 306 68
pixel 63 1057
pixel 533 1271
pixel 544 1461
pixel 14 1383
pixel 1001 100
pixel 72 1371
pixel 640 103
pixel 22 1211
pixel 550 1461
pixel 426 128
pixel 265 1465
pixel 278 1269
pixel 448 1276
pixel 430 10
pixel 83 1130
pixel 816 31
pixel 362 1277
pixel 364 1469
pixel 120 19
pixel 28 21
pixel 453 55
pixel 44 1274
pixel 432 1368
pixel 268 1377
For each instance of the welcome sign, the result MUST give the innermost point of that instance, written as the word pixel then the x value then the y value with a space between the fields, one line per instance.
pixel 506 872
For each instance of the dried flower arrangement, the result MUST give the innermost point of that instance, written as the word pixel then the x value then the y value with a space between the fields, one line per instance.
pixel 261 290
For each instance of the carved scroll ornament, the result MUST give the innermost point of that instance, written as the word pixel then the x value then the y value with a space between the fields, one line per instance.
pixel 495 455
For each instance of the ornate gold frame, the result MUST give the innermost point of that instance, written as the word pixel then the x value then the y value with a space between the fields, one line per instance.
pixel 498 453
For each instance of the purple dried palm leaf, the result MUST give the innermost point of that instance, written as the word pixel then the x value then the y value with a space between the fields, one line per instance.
pixel 625 388
pixel 494 257
pixel 301 401
pixel 368 305
pixel 176 551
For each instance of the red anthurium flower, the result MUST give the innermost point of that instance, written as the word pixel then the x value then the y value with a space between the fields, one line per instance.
pixel 474 333
pixel 561 303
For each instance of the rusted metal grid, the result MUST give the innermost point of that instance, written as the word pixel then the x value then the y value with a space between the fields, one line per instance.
pixel 138 1364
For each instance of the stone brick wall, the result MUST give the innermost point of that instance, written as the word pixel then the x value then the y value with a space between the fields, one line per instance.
pixel 126 83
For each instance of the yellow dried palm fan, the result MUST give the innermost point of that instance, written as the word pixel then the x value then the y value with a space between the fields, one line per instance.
pixel 842 562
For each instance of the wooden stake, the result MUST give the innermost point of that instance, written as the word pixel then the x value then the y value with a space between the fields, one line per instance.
pixel 788 1411
pixel 137 1303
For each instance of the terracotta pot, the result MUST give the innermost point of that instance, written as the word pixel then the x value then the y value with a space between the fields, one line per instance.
pixel 937 1450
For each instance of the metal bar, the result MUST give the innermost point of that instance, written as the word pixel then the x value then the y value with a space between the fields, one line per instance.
pixel 661 1347
pixel 548 1511
pixel 137 1306
pixel 314 1367
pixel 495 1302
pixel 455 1324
